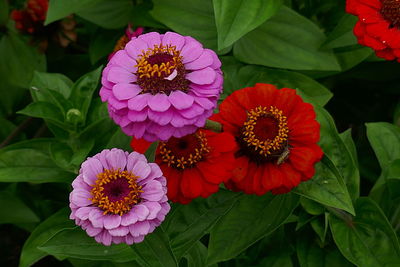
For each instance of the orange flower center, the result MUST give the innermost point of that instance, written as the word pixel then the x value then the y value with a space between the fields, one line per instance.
pixel 391 12
pixel 184 152
pixel 116 191
pixel 160 69
pixel 264 135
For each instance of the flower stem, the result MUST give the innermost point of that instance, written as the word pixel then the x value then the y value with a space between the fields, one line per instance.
pixel 213 126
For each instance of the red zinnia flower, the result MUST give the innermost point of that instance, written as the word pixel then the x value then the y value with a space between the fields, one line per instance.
pixel 196 164
pixel 378 26
pixel 31 18
pixel 277 136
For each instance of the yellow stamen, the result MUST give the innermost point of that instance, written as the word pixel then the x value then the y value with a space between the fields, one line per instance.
pixel 269 146
pixel 121 206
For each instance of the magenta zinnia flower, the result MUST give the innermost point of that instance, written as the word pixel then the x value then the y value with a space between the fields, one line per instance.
pixel 119 197
pixel 161 85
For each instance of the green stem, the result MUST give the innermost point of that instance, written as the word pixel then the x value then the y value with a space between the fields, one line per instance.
pixel 213 126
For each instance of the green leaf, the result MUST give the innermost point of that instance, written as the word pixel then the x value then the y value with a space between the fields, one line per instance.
pixel 75 243
pixel 59 9
pixel 108 14
pixel 236 18
pixel 250 219
pixel 277 260
pixel 19 60
pixel 188 17
pixel 186 224
pixel 326 187
pixel 349 57
pixel 155 250
pixel 30 165
pixel 50 81
pixel 119 140
pixel 338 152
pixel 272 44
pixel 310 254
pixel 197 255
pixel 14 210
pixel 368 239
pixel 151 152
pixel 102 43
pixel 83 89
pixel 353 182
pixel 43 110
pixel 3 12
pixel 342 35
pixel 43 232
pixel 238 76
pixel 385 140
pixel 311 207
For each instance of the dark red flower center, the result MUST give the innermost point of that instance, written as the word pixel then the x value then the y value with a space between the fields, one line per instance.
pixel 264 135
pixel 116 191
pixel 160 69
pixel 184 152
pixel 391 12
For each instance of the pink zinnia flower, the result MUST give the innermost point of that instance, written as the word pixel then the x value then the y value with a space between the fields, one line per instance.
pixel 161 85
pixel 119 197
pixel 129 34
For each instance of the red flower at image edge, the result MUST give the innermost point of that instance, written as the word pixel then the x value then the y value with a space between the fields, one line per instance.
pixel 378 26
pixel 195 164
pixel 277 137
pixel 31 18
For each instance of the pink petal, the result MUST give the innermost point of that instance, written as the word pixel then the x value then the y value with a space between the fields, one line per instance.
pixel 216 62
pixel 191 51
pixel 122 59
pixel 141 169
pixel 120 75
pixel 173 39
pixel 80 197
pixel 137 116
pixel 93 231
pixel 139 102
pixel 116 158
pixel 205 102
pixel 104 93
pixel 119 231
pixel 117 104
pixel 83 212
pixel 159 102
pixel 112 221
pixel 136 47
pixel 151 38
pixel 141 211
pixel 192 112
pixel 124 91
pixel 139 228
pixel 90 169
pixel 203 76
pixel 152 191
pixel 161 118
pixel 96 217
pixel 154 208
pixel 180 100
pixel 138 239
pixel 129 218
pixel 133 158
pixel 206 59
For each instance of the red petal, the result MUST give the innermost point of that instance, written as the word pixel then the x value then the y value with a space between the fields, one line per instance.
pixel 191 184
pixel 140 145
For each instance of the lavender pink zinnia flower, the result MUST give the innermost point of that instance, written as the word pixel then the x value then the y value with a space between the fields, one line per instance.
pixel 119 197
pixel 161 85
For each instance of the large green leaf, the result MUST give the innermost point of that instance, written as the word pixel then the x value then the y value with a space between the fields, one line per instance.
pixel 50 81
pixel 155 250
pixel 43 232
pixel 326 187
pixel 15 210
pixel 342 35
pixel 186 224
pixel 250 219
pixel 239 76
pixel 83 89
pixel 385 140
pixel 287 40
pixel 337 151
pixel 236 18
pixel 368 239
pixel 43 110
pixel 310 254
pixel 75 243
pixel 30 165
pixel 108 14
pixel 3 12
pixel 197 255
pixel 189 17
pixel 59 9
